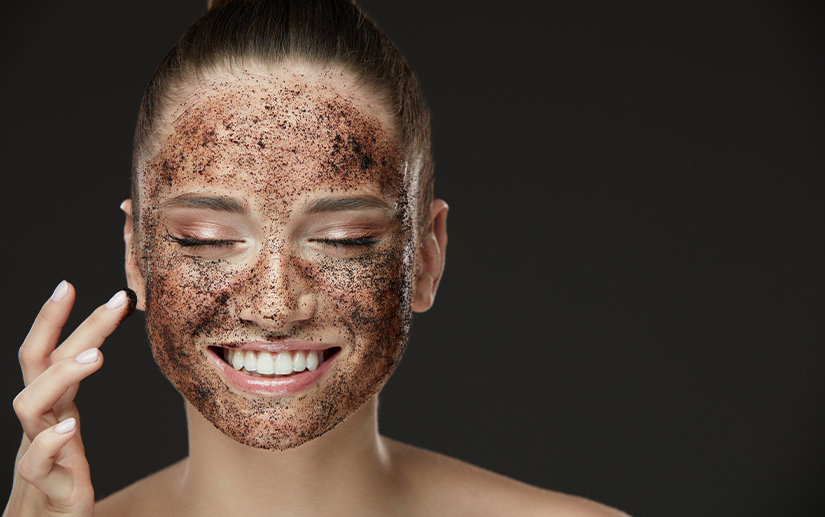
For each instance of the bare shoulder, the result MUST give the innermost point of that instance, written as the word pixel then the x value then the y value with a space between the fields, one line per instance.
pixel 441 485
pixel 151 496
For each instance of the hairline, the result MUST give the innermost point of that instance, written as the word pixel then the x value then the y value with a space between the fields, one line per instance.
pixel 410 168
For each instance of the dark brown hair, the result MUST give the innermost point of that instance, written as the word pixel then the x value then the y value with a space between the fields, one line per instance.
pixel 325 32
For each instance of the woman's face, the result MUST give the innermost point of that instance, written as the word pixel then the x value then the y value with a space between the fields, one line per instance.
pixel 276 229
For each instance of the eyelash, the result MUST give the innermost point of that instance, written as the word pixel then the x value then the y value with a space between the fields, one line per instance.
pixel 360 242
pixel 191 242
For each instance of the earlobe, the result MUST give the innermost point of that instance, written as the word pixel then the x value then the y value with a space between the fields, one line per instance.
pixel 432 255
pixel 134 277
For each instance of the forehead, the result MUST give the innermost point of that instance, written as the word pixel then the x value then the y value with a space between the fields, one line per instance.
pixel 274 135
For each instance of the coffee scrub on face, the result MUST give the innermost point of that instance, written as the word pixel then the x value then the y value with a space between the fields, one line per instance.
pixel 277 145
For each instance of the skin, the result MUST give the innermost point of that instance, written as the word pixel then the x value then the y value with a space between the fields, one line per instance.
pixel 288 267
pixel 275 276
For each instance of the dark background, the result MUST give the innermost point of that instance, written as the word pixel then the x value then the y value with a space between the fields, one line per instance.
pixel 633 303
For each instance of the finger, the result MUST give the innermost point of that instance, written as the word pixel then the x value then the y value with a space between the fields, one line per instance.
pixel 38 467
pixel 97 327
pixel 45 332
pixel 34 405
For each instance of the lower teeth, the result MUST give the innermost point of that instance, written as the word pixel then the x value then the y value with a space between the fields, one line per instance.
pixel 257 374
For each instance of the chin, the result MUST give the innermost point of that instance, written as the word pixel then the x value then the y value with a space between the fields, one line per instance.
pixel 346 382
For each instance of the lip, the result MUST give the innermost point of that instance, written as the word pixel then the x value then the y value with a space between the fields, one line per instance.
pixel 280 346
pixel 273 386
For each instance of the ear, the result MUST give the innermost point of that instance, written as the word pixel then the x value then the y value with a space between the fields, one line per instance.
pixel 432 254
pixel 134 277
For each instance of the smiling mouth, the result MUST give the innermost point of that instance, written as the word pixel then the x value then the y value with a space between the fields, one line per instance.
pixel 260 363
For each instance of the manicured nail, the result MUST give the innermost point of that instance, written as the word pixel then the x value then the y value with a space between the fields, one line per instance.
pixel 65 426
pixel 87 356
pixel 117 300
pixel 60 291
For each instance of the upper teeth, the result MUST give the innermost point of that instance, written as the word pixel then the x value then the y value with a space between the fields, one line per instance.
pixel 278 363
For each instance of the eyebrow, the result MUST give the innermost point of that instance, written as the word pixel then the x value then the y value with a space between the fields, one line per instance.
pixel 327 204
pixel 217 203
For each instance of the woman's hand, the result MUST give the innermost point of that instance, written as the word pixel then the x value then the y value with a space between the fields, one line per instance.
pixel 52 475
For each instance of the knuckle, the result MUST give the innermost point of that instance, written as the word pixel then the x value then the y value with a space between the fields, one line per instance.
pixel 59 368
pixel 47 319
pixel 56 356
pixel 27 467
pixel 96 318
pixel 21 405
pixel 25 356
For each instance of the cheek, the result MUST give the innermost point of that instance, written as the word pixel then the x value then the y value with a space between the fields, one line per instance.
pixel 184 298
pixel 370 298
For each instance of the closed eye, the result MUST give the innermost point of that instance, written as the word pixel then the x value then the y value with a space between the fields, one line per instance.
pixel 360 242
pixel 191 242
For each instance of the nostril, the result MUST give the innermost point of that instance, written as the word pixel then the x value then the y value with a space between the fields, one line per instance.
pixel 274 312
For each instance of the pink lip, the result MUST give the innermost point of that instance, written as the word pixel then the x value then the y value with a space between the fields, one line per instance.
pixel 273 386
pixel 280 346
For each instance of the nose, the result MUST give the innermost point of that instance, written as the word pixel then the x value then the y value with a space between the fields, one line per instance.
pixel 274 297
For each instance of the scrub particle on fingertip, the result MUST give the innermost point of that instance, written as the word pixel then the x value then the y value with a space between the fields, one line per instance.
pixel 131 303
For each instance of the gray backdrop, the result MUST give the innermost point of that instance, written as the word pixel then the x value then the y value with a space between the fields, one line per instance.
pixel 632 308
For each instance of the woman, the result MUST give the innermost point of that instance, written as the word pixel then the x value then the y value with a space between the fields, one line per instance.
pixel 280 234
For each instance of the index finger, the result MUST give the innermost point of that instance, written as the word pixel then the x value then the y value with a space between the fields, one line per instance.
pixel 98 326
pixel 38 350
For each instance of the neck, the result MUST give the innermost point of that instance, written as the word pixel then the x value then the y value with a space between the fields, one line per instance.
pixel 344 472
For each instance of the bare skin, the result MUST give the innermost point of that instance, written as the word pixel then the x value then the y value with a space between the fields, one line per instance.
pixel 259 259
pixel 350 471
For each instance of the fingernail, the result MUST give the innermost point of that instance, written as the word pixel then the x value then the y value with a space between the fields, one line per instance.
pixel 60 291
pixel 87 356
pixel 65 426
pixel 117 300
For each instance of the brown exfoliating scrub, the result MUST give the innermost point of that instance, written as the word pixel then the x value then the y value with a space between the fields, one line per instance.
pixel 275 208
pixel 131 304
